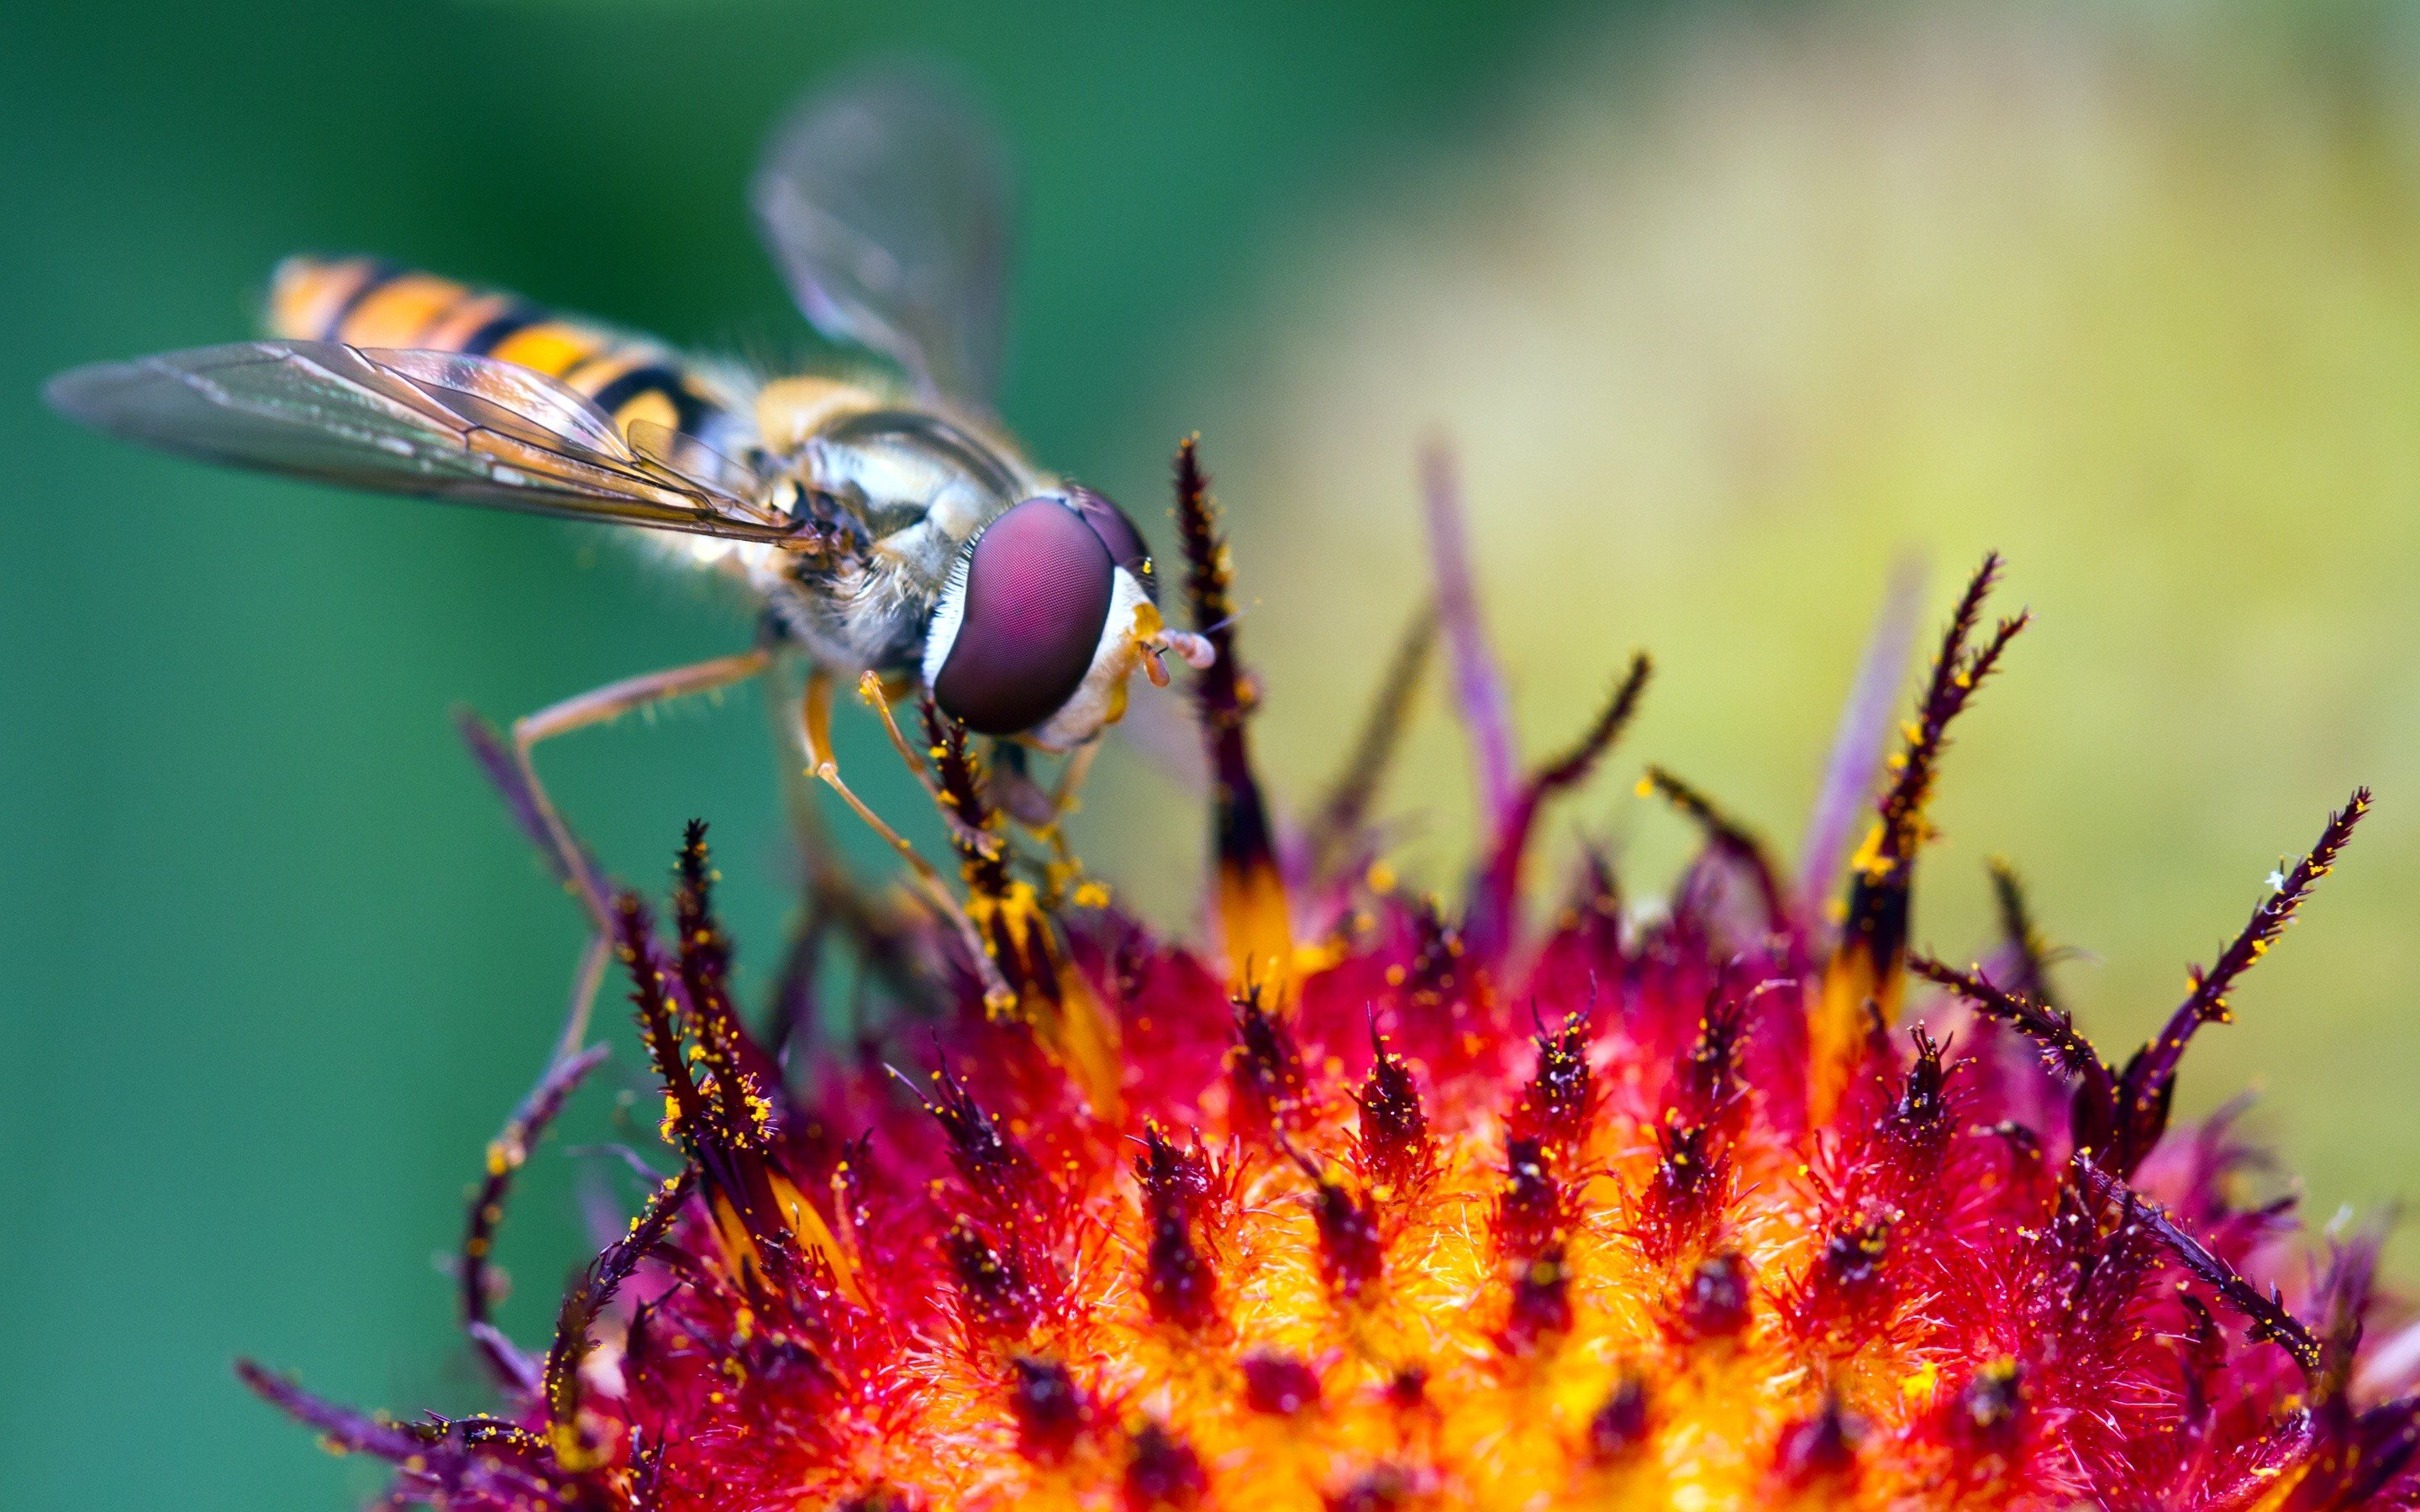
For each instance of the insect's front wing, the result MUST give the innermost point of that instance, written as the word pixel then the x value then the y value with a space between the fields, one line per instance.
pixel 433 424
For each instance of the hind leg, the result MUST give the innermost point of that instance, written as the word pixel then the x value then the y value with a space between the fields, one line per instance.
pixel 600 706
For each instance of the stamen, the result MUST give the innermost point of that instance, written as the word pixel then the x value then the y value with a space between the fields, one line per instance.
pixel 1338 825
pixel 2148 1085
pixel 2266 1314
pixel 1529 1210
pixel 1163 1473
pixel 995 1168
pixel 1021 940
pixel 1620 1428
pixel 959 792
pixel 996 1301
pixel 1920 1117
pixel 1052 1412
pixel 1708 1088
pixel 1858 743
pixel 347 1430
pixel 1865 963
pixel 1177 1177
pixel 1254 915
pixel 2065 1050
pixel 1687 1191
pixel 1393 1146
pixel 763 1219
pixel 581 1307
pixel 1854 1257
pixel 747 1084
pixel 1554 1108
pixel 1478 682
pixel 1266 1066
pixel 513 1370
pixel 1280 1385
pixel 1716 1301
pixel 1542 1303
pixel 1496 893
pixel 1728 838
pixel 1387 1488
pixel 1179 1283
pixel 2019 935
pixel 1820 1448
pixel 1991 1406
pixel 1351 1253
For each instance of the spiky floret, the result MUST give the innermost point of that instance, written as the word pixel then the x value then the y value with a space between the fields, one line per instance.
pixel 1694 1207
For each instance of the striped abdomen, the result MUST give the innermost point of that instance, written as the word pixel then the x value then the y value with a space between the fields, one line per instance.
pixel 364 301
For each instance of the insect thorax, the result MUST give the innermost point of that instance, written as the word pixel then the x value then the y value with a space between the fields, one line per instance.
pixel 911 486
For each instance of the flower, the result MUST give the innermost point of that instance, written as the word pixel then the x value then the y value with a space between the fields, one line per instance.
pixel 1734 1201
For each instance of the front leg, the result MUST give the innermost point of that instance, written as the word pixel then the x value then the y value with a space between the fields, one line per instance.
pixel 815 717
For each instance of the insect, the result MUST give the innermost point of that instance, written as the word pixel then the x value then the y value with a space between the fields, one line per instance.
pixel 889 528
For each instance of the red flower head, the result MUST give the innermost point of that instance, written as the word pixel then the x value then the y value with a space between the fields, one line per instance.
pixel 1387 1203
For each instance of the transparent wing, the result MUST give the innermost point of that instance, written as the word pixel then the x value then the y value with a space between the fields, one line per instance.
pixel 437 425
pixel 886 202
pixel 1163 725
pixel 692 458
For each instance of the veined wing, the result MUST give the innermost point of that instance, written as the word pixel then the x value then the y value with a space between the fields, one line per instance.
pixel 1164 728
pixel 886 203
pixel 436 425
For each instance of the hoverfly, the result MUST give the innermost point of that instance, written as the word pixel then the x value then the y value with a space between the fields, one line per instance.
pixel 888 527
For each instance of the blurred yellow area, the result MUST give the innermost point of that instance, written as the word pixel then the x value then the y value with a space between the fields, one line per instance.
pixel 1737 312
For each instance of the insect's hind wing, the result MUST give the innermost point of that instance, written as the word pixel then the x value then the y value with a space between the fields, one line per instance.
pixel 885 201
pixel 433 424
pixel 1163 727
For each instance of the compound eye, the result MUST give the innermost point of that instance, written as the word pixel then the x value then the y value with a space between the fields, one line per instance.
pixel 1021 619
pixel 1126 546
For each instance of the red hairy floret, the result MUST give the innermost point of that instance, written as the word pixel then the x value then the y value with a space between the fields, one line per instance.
pixel 1392 1202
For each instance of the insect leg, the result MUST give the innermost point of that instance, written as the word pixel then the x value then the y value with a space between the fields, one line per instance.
pixel 878 696
pixel 814 714
pixel 599 706
pixel 1045 814
pixel 1072 772
pixel 819 852
pixel 883 933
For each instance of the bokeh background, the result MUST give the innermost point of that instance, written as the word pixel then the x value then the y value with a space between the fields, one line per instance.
pixel 1725 310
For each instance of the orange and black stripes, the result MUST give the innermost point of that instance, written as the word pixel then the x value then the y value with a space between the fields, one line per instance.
pixel 368 302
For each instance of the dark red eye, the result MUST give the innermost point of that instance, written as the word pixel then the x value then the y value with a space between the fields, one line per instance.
pixel 1126 546
pixel 1013 641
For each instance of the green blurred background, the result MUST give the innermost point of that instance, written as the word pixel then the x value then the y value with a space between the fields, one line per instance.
pixel 1725 309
